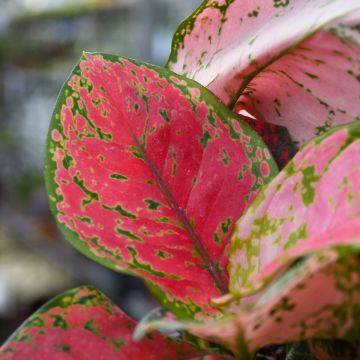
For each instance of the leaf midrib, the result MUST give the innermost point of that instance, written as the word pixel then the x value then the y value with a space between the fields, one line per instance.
pixel 195 239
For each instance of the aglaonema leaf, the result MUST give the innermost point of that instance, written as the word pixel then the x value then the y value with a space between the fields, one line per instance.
pixel 315 193
pixel 321 74
pixel 318 298
pixel 83 324
pixel 147 172
pixel 225 44
pixel 294 261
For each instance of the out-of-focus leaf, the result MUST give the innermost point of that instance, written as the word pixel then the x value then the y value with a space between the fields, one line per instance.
pixel 147 172
pixel 225 43
pixel 83 324
pixel 321 350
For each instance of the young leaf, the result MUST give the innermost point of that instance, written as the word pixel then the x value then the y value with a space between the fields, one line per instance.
pixel 147 172
pixel 83 324
pixel 224 44
pixel 321 74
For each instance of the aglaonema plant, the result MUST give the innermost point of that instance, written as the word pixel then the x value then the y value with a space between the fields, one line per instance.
pixel 172 175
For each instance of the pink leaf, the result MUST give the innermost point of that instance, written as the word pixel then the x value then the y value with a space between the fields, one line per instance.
pixel 317 299
pixel 315 194
pixel 225 43
pixel 313 88
pixel 147 173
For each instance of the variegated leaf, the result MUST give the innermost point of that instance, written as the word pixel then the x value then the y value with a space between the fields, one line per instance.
pixel 294 263
pixel 147 172
pixel 315 193
pixel 83 324
pixel 318 298
pixel 313 88
pixel 225 43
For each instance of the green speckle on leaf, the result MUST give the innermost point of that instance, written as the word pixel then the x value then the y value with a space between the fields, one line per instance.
pixel 163 255
pixel 226 225
pixel 152 205
pixel 64 348
pixel 59 321
pixel 253 13
pixel 226 157
pixel 92 195
pixel 307 188
pixel 281 3
pixel 310 75
pixel 164 115
pixel 147 267
pixel 67 161
pixel 137 152
pixel 85 219
pixel 217 238
pixel 119 177
pixel 118 344
pixel 356 76
pixel 322 129
pixel 128 234
pixel 205 139
pixel 90 326
pixel 118 208
pixel 296 236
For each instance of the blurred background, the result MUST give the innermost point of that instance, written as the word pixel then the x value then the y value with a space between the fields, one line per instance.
pixel 40 42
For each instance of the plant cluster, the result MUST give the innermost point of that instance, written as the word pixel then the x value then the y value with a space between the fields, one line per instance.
pixel 229 180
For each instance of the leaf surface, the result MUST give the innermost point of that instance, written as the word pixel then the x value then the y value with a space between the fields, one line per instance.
pixel 317 298
pixel 147 172
pixel 294 263
pixel 83 323
pixel 225 43
pixel 312 88
pixel 315 193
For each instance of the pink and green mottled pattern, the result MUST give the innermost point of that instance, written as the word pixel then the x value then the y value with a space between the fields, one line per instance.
pixel 314 194
pixel 321 74
pixel 83 324
pixel 294 261
pixel 224 44
pixel 147 172
pixel 318 298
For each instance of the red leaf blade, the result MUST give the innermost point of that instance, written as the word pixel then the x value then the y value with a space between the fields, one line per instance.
pixel 83 323
pixel 143 167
